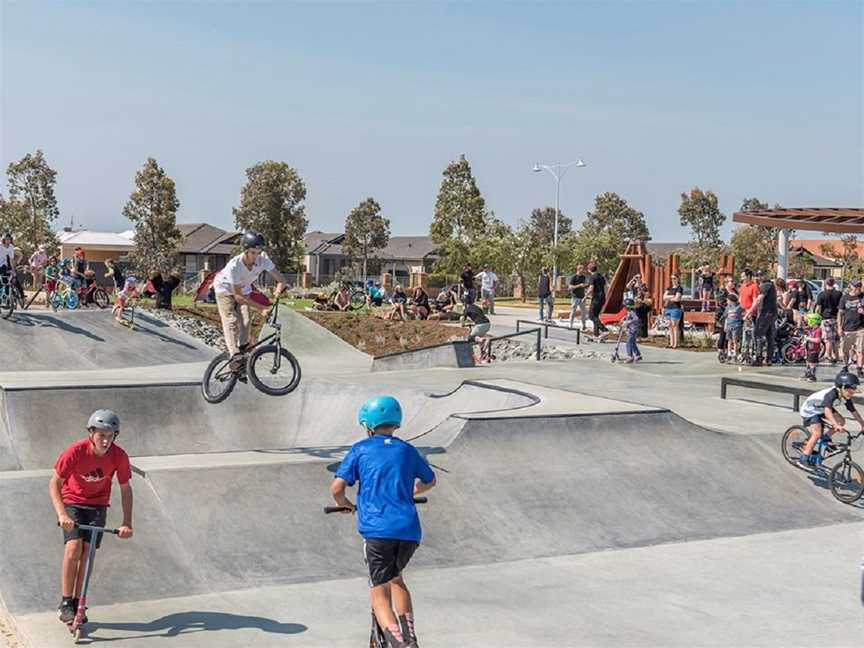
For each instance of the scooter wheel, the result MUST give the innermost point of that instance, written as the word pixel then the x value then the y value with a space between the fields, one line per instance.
pixel 76 635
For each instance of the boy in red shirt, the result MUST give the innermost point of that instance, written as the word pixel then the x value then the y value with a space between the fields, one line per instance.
pixel 81 491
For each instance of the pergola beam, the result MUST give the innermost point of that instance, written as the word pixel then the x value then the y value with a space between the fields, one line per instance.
pixel 839 221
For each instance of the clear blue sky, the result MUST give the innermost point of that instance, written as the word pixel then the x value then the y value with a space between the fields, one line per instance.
pixel 746 99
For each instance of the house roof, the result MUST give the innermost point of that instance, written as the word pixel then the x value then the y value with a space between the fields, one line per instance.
pixel 96 240
pixel 203 238
pixel 663 250
pixel 818 259
pixel 814 247
pixel 819 219
pixel 399 247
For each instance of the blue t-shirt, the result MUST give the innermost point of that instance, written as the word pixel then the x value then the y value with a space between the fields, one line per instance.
pixel 386 468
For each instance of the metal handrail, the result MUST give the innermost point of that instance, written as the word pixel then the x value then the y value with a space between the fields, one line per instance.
pixel 546 326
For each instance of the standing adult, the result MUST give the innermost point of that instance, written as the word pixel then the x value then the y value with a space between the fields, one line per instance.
pixel 673 309
pixel 488 284
pixel 597 290
pixel 828 305
pixel 728 288
pixel 578 284
pixel 642 307
pixel 10 257
pixel 748 290
pixel 544 293
pixel 467 277
pixel 37 263
pixel 850 325
pixel 764 310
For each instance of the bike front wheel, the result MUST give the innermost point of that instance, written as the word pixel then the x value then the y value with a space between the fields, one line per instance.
pixel 219 380
pixel 100 298
pixel 273 370
pixel 72 301
pixel 794 440
pixel 846 481
pixel 791 354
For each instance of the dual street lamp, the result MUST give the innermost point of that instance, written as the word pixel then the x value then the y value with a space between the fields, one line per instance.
pixel 557 170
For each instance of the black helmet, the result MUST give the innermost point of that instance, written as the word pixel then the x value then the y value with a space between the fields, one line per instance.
pixel 7 235
pixel 846 379
pixel 252 239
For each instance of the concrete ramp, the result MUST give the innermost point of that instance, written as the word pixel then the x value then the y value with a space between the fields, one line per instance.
pixel 91 339
pixel 168 419
pixel 508 490
pixel 318 350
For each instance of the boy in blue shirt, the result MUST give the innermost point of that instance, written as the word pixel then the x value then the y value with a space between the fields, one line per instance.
pixel 391 472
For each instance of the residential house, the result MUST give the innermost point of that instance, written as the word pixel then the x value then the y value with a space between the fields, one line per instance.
pixel 825 264
pixel 205 247
pixel 403 256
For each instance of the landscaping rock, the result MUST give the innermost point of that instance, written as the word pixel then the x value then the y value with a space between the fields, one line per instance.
pixel 198 328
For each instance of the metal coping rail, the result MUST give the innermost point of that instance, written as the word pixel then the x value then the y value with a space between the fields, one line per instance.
pixel 546 326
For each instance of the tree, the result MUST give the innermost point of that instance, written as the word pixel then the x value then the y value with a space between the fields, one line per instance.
pixel 495 247
pixel 527 254
pixel 460 210
pixel 271 202
pixel 31 185
pixel 152 208
pixel 366 231
pixel 853 266
pixel 754 247
pixel 604 234
pixel 612 212
pixel 700 212
pixel 543 222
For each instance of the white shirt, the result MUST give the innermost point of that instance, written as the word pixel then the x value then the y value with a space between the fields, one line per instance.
pixel 7 254
pixel 235 273
pixel 38 259
pixel 487 280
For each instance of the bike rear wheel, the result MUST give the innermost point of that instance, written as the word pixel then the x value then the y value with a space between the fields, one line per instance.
pixel 273 370
pixel 7 305
pixel 358 300
pixel 100 298
pixel 793 440
pixel 219 380
pixel 791 354
pixel 846 481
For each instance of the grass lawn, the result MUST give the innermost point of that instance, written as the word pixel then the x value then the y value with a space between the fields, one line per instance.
pixel 187 300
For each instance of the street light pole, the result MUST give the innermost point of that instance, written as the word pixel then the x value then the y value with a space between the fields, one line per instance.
pixel 557 171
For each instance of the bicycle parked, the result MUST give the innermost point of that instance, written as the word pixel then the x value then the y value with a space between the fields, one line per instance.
pixel 377 639
pixel 272 368
pixel 845 478
pixel 64 295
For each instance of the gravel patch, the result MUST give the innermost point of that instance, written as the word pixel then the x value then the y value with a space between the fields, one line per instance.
pixel 508 350
pixel 198 328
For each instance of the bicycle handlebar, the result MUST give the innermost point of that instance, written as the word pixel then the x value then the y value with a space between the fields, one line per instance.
pixel 339 509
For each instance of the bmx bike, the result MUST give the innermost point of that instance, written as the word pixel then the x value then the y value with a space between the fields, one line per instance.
pixel 271 368
pixel 845 478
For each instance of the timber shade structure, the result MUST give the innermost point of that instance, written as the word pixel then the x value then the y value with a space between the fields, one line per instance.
pixel 821 219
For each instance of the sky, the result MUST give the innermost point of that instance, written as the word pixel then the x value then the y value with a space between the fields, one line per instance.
pixel 745 99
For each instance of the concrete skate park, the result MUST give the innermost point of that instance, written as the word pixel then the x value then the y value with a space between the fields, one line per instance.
pixel 579 503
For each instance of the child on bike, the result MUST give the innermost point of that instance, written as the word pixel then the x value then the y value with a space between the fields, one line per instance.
pixel 125 298
pixel 391 472
pixel 812 343
pixel 821 406
pixel 80 490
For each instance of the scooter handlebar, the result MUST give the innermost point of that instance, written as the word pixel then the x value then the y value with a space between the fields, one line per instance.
pixel 89 527
pixel 339 509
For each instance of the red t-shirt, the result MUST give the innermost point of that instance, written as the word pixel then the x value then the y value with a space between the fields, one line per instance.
pixel 747 294
pixel 87 476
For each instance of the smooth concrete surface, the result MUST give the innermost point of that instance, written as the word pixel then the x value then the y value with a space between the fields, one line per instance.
pixel 91 339
pixel 454 355
pixel 508 490
pixel 579 506
pixel 742 592
pixel 175 419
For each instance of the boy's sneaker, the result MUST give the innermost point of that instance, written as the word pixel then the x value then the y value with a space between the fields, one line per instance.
pixel 811 377
pixel 408 631
pixel 805 461
pixel 66 612
pixel 393 642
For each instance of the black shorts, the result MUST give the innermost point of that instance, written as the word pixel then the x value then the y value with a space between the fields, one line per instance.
pixel 813 358
pixel 386 559
pixel 810 420
pixel 92 515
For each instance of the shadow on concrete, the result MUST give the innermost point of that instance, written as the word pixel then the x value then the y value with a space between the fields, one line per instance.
pixel 174 625
pixel 139 328
pixel 48 321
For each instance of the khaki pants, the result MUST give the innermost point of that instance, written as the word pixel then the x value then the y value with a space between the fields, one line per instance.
pixel 235 322
pixel 853 339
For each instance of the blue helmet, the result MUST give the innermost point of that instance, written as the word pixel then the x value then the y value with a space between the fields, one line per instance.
pixel 380 410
